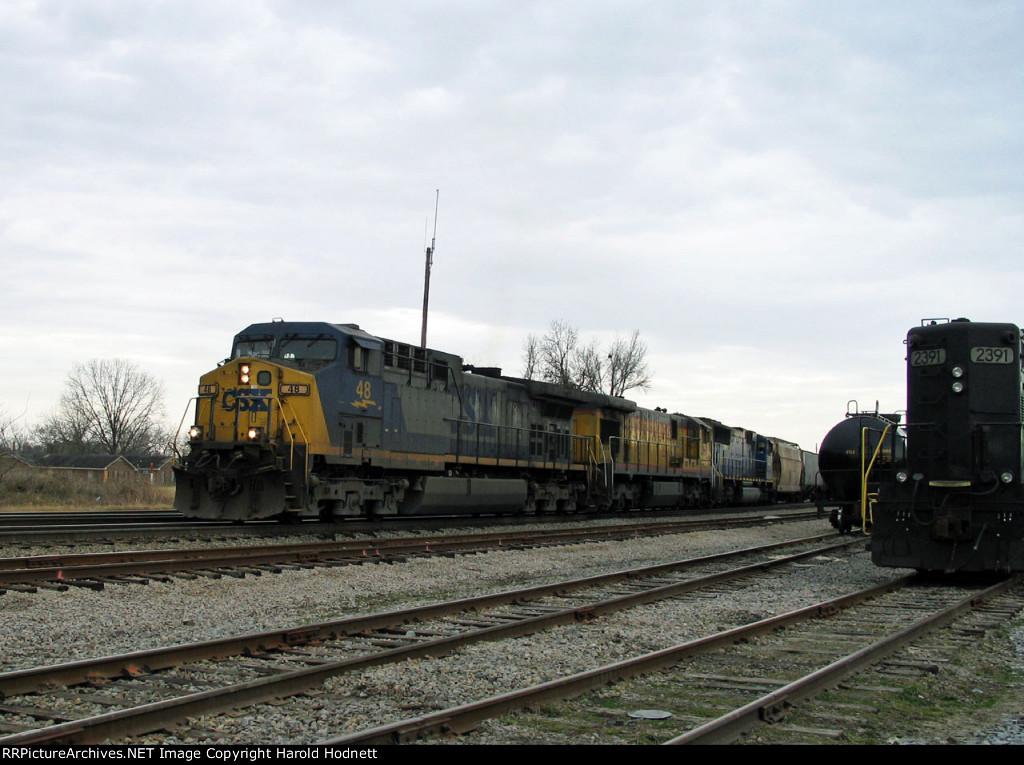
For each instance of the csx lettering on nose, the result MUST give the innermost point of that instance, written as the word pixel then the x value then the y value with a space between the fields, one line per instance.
pixel 246 400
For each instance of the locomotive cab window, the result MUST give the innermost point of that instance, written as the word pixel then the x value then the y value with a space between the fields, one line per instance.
pixel 309 349
pixel 259 348
pixel 364 360
pixel 309 353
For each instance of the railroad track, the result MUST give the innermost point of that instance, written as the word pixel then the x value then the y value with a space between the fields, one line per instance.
pixel 96 570
pixel 718 688
pixel 35 519
pixel 115 698
pixel 21 528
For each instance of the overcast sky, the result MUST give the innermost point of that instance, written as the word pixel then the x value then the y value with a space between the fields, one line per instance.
pixel 773 193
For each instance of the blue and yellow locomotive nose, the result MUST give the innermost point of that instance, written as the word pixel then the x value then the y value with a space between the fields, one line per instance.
pixel 258 401
pixel 255 420
pixel 238 403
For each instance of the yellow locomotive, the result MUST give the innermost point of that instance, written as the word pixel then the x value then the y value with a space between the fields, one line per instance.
pixel 316 419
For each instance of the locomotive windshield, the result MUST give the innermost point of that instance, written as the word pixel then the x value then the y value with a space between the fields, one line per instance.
pixel 253 347
pixel 309 349
pixel 307 352
pixel 310 353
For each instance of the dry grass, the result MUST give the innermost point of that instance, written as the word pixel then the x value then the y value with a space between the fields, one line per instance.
pixel 38 490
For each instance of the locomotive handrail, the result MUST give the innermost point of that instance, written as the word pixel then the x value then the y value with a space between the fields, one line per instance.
pixel 865 506
pixel 291 437
pixel 593 458
pixel 607 463
pixel 209 426
pixel 177 433
pixel 546 437
pixel 450 375
pixel 281 403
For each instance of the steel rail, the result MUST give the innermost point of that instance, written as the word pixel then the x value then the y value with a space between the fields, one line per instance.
pixel 63 568
pixel 730 726
pixel 13 529
pixel 150 660
pixel 141 719
pixel 464 718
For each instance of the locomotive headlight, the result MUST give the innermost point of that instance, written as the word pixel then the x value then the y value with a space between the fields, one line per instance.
pixel 902 476
pixel 1006 477
pixel 254 434
pixel 957 371
pixel 195 433
pixel 244 374
pixel 958 387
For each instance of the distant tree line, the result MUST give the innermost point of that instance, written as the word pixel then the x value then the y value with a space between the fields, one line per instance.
pixel 108 406
pixel 560 356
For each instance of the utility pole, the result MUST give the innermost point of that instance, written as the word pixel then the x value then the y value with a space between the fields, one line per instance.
pixel 426 274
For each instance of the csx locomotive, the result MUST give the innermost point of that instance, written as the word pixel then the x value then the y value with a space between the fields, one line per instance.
pixel 313 419
pixel 956 503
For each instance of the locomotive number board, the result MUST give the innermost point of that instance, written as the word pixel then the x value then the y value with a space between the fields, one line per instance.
pixel 983 355
pixel 927 357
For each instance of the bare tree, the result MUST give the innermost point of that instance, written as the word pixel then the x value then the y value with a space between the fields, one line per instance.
pixel 531 356
pixel 557 356
pixel 13 437
pixel 588 369
pixel 560 357
pixel 110 405
pixel 66 431
pixel 558 349
pixel 627 365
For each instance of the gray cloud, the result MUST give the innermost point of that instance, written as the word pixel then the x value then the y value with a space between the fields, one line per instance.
pixel 772 193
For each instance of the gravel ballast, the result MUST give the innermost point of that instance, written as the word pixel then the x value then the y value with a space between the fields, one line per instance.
pixel 51 627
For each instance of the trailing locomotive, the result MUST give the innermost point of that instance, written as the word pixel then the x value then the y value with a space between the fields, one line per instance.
pixel 314 419
pixel 956 503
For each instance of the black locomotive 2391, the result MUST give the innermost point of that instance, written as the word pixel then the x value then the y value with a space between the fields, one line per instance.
pixel 956 502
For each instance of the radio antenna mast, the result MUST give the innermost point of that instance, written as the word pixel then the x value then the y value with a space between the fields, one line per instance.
pixel 426 274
